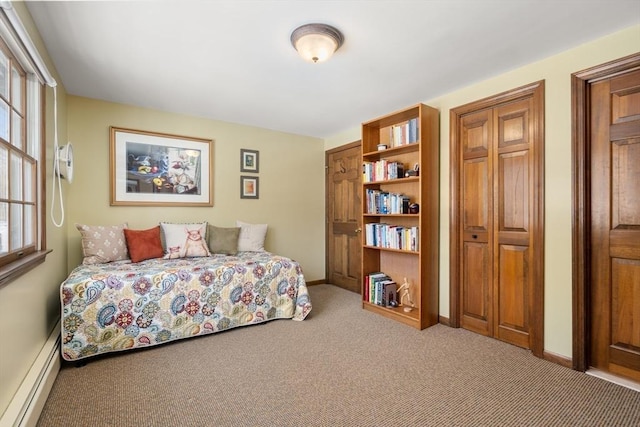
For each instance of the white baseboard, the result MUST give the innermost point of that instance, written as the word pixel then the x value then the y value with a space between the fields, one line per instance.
pixel 25 407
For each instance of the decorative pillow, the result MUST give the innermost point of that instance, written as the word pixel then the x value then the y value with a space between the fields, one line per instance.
pixel 251 236
pixel 144 244
pixel 185 240
pixel 103 243
pixel 223 240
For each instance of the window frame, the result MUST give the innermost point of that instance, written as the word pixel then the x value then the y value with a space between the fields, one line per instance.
pixel 18 262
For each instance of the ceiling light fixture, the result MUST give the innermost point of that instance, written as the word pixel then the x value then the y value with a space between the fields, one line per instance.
pixel 316 42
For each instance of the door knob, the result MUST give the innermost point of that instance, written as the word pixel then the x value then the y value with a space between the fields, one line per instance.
pixel 475 236
pixel 358 230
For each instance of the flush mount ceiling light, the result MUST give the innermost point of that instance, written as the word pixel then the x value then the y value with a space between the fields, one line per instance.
pixel 316 42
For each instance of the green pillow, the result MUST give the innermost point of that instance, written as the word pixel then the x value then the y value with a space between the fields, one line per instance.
pixel 223 240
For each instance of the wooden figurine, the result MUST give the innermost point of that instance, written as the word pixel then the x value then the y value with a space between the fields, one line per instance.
pixel 406 300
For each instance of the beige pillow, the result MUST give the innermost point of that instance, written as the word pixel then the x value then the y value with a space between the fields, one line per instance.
pixel 223 240
pixel 103 243
pixel 251 236
pixel 185 240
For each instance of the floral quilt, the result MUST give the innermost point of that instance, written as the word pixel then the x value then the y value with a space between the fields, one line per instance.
pixel 123 305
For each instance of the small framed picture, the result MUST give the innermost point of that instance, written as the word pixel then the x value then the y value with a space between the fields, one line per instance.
pixel 249 187
pixel 249 160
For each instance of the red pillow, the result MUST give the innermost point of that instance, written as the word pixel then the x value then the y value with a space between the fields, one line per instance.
pixel 143 244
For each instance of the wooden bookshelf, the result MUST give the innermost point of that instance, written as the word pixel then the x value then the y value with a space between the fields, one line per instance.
pixel 412 137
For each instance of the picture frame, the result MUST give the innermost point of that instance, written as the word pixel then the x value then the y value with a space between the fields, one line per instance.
pixel 249 160
pixel 249 187
pixel 159 169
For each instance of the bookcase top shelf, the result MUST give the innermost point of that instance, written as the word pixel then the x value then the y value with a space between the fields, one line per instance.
pixel 396 117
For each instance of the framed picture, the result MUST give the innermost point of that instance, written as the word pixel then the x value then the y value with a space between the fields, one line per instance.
pixel 249 187
pixel 249 160
pixel 158 169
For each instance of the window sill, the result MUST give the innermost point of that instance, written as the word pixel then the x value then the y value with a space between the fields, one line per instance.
pixel 17 268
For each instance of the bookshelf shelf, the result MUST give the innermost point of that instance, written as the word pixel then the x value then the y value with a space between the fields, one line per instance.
pixel 393 215
pixel 419 267
pixel 402 251
pixel 408 148
pixel 409 318
pixel 393 181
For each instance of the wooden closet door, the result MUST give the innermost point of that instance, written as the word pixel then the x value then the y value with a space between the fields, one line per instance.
pixel 615 225
pixel 496 217
pixel 513 291
pixel 477 222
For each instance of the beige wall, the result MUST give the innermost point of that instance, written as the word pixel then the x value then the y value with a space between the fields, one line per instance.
pixel 556 71
pixel 30 306
pixel 291 172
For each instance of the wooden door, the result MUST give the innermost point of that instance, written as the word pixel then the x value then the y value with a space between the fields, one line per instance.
pixel 615 225
pixel 344 212
pixel 476 259
pixel 497 217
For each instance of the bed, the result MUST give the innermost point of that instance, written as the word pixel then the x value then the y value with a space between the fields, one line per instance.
pixel 122 305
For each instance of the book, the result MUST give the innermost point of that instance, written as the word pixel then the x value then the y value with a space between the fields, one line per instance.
pixel 384 301
pixel 412 131
pixel 390 293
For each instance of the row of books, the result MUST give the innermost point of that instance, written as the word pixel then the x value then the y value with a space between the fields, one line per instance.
pixel 384 202
pixel 388 236
pixel 382 170
pixel 379 289
pixel 405 133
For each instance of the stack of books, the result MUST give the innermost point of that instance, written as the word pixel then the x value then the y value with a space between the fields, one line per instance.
pixel 379 289
pixel 404 133
pixel 383 202
pixel 382 170
pixel 388 236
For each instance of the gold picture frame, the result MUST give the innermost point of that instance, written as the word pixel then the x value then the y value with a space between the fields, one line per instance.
pixel 159 169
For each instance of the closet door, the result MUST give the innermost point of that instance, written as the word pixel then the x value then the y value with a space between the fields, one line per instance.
pixel 513 198
pixel 496 216
pixel 477 222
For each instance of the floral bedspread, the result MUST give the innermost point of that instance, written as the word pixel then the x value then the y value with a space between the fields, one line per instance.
pixel 121 305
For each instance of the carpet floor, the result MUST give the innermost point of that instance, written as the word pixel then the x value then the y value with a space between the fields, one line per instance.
pixel 342 366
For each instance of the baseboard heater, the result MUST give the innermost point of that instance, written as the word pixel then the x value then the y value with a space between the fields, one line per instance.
pixel 26 406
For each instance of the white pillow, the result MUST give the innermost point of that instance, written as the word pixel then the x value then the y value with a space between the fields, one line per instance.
pixel 251 236
pixel 185 240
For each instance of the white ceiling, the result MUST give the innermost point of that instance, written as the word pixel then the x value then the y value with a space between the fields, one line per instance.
pixel 232 60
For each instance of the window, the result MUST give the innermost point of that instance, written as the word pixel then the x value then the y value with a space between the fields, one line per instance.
pixel 21 168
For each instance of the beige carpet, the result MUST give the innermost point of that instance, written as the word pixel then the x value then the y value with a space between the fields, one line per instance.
pixel 342 366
